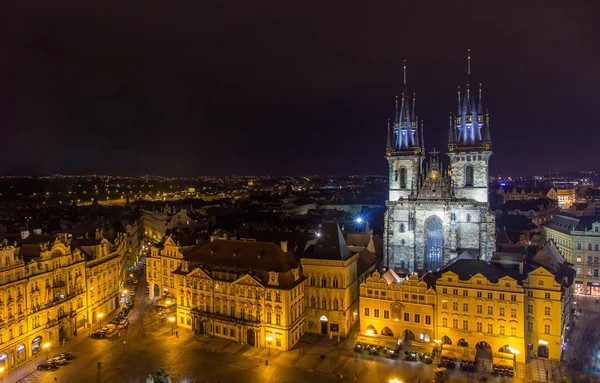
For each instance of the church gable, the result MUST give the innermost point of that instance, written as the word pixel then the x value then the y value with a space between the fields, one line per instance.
pixel 248 280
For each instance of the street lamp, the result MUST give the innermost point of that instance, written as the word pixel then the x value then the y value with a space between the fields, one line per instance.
pixel 46 346
pixel 395 381
pixel 269 340
pixel 172 320
pixel 100 315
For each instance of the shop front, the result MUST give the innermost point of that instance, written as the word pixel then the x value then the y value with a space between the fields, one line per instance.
pixel 593 288
pixel 21 354
pixel 36 345
pixel 580 287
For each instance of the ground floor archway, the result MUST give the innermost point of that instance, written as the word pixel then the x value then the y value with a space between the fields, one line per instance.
pixel 446 340
pixel 543 352
pixel 463 343
pixel 484 350
pixel 251 337
pixel 387 332
pixel 155 291
pixel 324 323
pixel 408 335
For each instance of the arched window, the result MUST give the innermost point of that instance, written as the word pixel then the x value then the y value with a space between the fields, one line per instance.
pixel 469 175
pixel 335 304
pixel 323 282
pixel 324 303
pixel 402 228
pixel 579 246
pixel 596 229
pixel 468 217
pixel 402 178
pixel 335 282
pixel 589 246
pixel 402 242
pixel 312 280
pixel 396 176
pixel 312 302
pixel 596 247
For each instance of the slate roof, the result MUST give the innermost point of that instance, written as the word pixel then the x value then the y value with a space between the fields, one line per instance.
pixel 565 223
pixel 257 258
pixel 329 245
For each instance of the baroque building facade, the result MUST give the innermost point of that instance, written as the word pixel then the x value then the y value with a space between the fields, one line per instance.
pixel 435 214
pixel 246 291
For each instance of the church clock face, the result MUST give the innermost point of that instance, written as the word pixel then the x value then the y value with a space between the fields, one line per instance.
pixel 434 174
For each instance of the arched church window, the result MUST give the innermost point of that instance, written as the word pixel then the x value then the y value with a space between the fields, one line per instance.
pixel 335 282
pixel 312 301
pixel 312 280
pixel 396 176
pixel 403 178
pixel 402 228
pixel 324 303
pixel 335 304
pixel 469 175
pixel 402 242
pixel 468 217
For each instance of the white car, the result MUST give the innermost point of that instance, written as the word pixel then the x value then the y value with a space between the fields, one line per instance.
pixel 58 360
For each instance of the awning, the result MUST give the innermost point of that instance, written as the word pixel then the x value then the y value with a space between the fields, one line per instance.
pixel 503 362
pixel 376 341
pixel 448 354
pixel 423 348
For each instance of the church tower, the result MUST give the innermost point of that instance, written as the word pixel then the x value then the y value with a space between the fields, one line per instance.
pixel 404 150
pixel 469 145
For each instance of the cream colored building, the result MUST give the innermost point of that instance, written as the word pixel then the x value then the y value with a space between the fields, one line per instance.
pixel 395 310
pixel 333 271
pixel 578 240
pixel 245 291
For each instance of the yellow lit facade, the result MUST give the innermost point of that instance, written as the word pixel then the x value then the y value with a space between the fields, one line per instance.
pixel 396 310
pixel 566 198
pixel 253 294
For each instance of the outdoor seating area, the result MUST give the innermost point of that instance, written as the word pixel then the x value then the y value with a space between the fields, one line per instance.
pixel 388 352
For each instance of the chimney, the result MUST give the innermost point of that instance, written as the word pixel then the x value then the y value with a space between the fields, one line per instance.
pixel 24 234
pixel 284 246
pixel 521 267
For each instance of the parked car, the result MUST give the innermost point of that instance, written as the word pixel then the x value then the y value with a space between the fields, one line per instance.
pixel 124 323
pixel 47 366
pixel 115 321
pixel 66 355
pixel 59 360
pixel 98 334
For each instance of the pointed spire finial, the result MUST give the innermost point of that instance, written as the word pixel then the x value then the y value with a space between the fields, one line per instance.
pixel 404 72
pixel 468 63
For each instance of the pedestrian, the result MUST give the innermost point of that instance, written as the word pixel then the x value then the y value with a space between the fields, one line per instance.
pixel 177 334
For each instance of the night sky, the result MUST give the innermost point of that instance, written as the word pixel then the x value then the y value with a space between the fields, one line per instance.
pixel 244 87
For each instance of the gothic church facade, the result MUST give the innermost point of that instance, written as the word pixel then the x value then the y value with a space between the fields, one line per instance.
pixel 435 214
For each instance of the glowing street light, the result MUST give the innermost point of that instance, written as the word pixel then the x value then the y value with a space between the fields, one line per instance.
pixel 99 316
pixel 46 346
pixel 395 381
pixel 359 220
pixel 269 340
pixel 172 320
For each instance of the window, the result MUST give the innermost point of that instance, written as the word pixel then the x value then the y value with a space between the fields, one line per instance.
pixel 417 318
pixel 455 306
pixel 268 317
pixel 444 322
pixel 336 306
pixel 278 319
pixel 490 310
pixel 479 309
pixel 589 247
pixel 513 331
pixel 490 328
pixel 547 310
pixel 402 178
pixel 335 283
pixel 530 293
pixel 596 246
pixel 547 295
pixel 427 319
pixel 312 280
pixel 465 324
pixel 513 297
pixel 445 305
pixel 579 246
pixel 268 296
pixel 386 314
pixel 376 313
pixel 490 296
pixel 454 291
pixel 529 309
pixel 501 311
pixel 513 312
pixel 444 290
pixel 479 294
pixel 501 296
pixel 530 326
pixel 323 282
pixel 454 323
pixel 277 297
pixel 547 328
pixel 465 307
pixel 402 228
pixel 501 329
pixel 469 175
pixel 465 293
pixel 366 311
pixel 406 317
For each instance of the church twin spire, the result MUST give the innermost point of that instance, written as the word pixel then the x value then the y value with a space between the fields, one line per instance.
pixel 403 135
pixel 471 126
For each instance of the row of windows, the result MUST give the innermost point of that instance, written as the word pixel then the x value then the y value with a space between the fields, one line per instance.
pixel 589 246
pixel 479 309
pixel 479 294
pixel 334 282
pixel 406 317
pixel 479 327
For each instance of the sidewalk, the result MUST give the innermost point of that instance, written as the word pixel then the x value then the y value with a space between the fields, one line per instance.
pixel 29 367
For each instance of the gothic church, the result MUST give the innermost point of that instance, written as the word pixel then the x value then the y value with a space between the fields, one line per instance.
pixel 435 214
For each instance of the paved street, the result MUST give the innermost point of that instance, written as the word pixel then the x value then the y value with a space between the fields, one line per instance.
pixel 583 347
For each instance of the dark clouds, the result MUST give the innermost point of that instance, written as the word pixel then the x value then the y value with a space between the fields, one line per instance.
pixel 282 88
